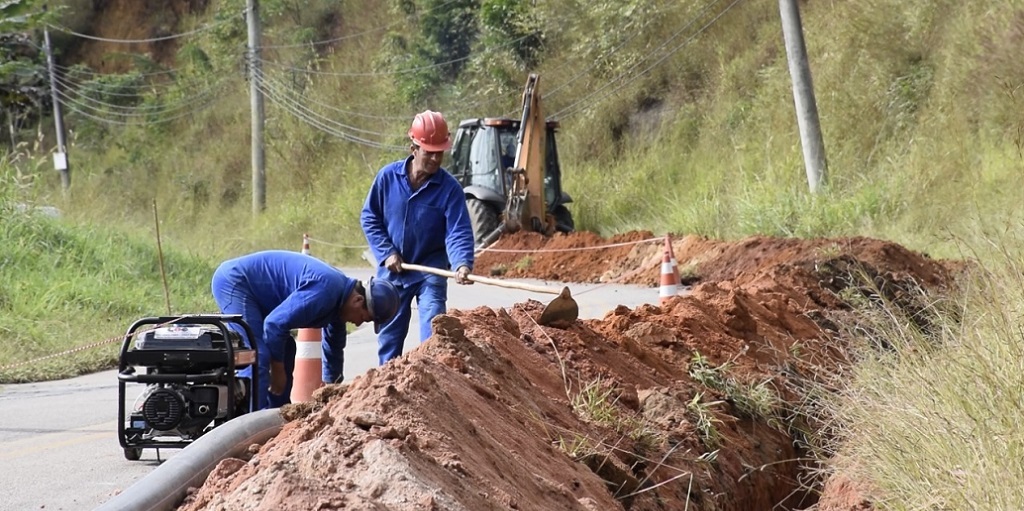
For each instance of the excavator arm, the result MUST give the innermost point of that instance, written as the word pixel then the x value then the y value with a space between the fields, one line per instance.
pixel 525 207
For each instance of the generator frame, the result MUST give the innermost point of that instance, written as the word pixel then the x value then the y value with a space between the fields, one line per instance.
pixel 228 360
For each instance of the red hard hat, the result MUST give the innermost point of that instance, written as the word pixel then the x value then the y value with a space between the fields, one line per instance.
pixel 430 131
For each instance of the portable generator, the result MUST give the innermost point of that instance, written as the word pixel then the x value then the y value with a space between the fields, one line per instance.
pixel 192 386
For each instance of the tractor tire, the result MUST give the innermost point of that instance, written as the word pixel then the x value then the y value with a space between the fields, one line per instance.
pixel 563 219
pixel 483 217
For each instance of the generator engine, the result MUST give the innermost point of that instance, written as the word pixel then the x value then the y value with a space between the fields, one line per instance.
pixel 184 410
pixel 189 366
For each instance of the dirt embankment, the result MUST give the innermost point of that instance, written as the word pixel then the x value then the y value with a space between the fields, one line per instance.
pixel 689 405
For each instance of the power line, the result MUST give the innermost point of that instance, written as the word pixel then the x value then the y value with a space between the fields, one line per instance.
pixel 348 112
pixel 300 105
pixel 100 111
pixel 71 106
pixel 138 88
pixel 87 101
pixel 283 91
pixel 316 120
pixel 83 70
pixel 199 30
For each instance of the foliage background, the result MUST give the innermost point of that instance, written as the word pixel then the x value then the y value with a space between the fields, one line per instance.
pixel 676 116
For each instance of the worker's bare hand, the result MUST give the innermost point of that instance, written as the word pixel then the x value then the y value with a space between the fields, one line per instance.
pixel 462 275
pixel 278 378
pixel 394 263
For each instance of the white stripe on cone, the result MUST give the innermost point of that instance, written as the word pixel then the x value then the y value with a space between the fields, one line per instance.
pixel 314 350
pixel 308 373
pixel 671 287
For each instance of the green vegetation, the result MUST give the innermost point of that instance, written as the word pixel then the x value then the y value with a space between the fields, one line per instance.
pixel 63 287
pixel 753 400
pixel 704 420
pixel 673 119
pixel 931 417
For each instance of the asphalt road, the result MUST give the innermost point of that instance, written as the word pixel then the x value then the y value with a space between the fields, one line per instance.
pixel 58 440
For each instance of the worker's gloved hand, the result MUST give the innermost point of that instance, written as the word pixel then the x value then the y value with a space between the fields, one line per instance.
pixel 394 263
pixel 462 275
pixel 278 378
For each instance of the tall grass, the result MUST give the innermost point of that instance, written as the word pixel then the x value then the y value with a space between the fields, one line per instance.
pixel 918 101
pixel 933 420
pixel 64 286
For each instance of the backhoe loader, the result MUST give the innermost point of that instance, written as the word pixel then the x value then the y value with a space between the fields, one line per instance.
pixel 510 172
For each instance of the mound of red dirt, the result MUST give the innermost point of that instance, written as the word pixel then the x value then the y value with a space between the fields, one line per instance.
pixel 689 405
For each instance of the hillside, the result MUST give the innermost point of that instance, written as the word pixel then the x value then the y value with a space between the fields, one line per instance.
pixel 675 115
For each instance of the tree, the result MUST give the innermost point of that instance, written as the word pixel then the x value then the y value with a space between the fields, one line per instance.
pixel 23 82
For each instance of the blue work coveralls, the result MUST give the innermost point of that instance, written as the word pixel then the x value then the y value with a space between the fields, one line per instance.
pixel 429 227
pixel 277 291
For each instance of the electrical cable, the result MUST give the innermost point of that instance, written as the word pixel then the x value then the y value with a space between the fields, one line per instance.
pixel 79 70
pixel 122 89
pixel 188 98
pixel 199 30
pixel 86 110
pixel 316 120
pixel 145 110
pixel 353 113
pixel 282 91
pixel 297 104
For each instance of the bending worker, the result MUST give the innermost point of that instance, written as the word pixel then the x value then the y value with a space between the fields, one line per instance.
pixel 416 212
pixel 277 291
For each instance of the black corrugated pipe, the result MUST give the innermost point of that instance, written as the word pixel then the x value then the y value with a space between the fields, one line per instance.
pixel 164 488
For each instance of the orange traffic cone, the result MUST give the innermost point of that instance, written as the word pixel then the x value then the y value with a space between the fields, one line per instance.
pixel 672 255
pixel 307 377
pixel 669 273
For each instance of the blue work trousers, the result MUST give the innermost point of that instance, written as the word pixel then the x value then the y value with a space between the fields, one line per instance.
pixel 431 295
pixel 235 297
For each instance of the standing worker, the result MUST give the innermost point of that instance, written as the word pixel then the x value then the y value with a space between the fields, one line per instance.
pixel 277 291
pixel 416 212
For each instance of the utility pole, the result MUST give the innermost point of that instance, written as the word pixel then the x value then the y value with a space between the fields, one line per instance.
pixel 60 158
pixel 259 174
pixel 803 96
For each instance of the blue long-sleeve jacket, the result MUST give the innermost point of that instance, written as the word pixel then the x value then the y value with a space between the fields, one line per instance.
pixel 293 291
pixel 430 226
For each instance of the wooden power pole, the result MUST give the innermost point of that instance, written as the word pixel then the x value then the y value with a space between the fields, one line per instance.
pixel 803 96
pixel 259 190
